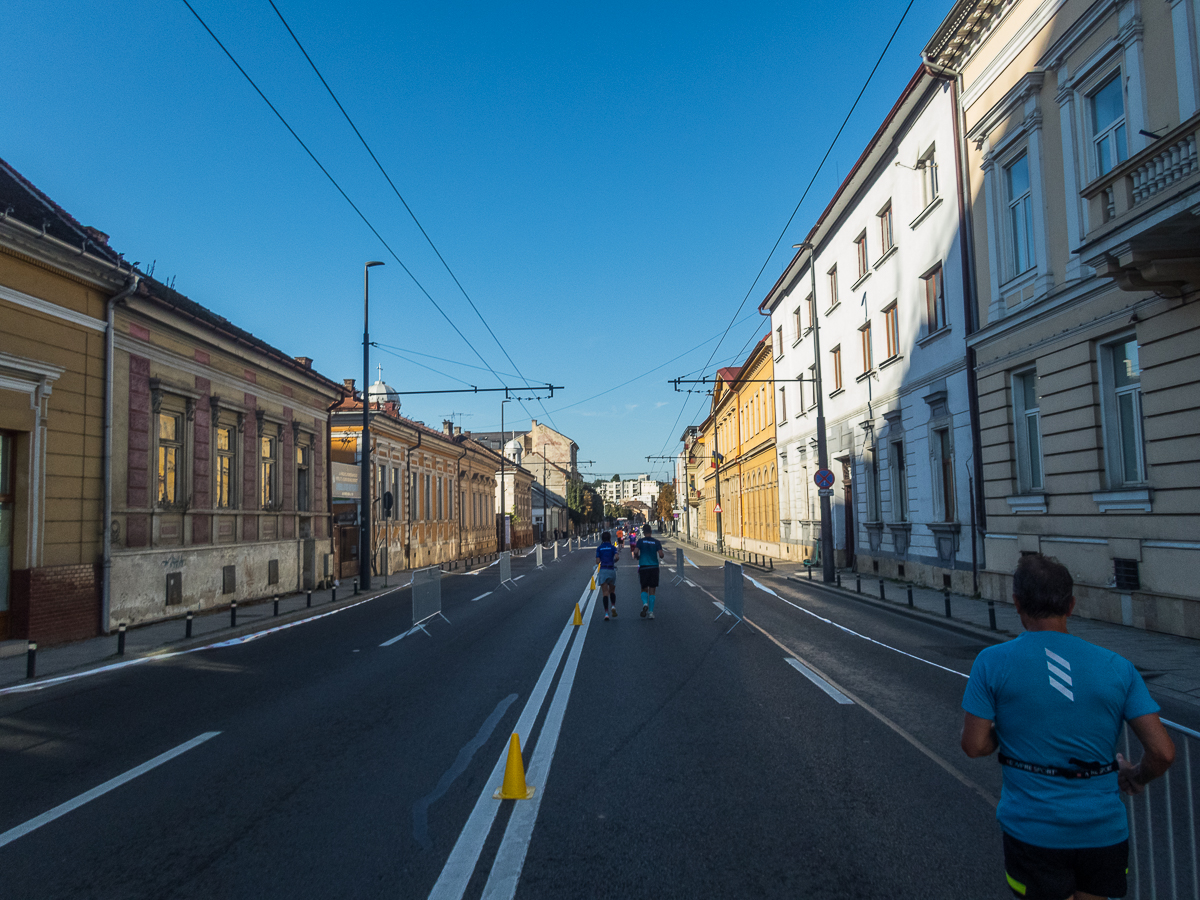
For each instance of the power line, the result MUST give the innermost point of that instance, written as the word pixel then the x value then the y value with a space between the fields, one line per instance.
pixel 396 191
pixel 345 196
pixel 438 358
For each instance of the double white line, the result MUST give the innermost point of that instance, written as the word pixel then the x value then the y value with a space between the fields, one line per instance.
pixel 510 858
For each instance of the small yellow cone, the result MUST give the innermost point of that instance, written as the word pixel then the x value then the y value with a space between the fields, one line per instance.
pixel 578 620
pixel 514 787
pixel 593 587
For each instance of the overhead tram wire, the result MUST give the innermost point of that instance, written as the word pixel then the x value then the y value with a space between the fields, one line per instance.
pixel 811 181
pixel 421 364
pixel 400 197
pixel 346 197
pixel 400 350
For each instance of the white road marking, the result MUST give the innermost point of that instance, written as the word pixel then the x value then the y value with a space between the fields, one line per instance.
pixel 481 596
pixel 401 637
pixel 460 866
pixel 510 858
pixel 690 563
pixel 818 681
pixel 518 578
pixel 759 585
pixel 63 808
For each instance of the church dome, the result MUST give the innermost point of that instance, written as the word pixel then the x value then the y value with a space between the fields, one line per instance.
pixel 381 392
pixel 513 450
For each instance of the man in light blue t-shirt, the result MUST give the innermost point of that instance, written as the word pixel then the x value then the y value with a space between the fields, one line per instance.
pixel 1053 705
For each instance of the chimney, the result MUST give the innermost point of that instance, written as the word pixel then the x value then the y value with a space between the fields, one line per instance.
pixel 305 361
pixel 348 384
pixel 447 426
pixel 458 431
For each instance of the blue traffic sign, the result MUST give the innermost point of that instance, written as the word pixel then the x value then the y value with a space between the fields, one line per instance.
pixel 823 478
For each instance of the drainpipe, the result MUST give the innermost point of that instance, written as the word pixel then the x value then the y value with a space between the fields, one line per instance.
pixel 106 582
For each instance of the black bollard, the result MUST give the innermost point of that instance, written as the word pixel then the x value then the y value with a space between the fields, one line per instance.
pixel 810 568
pixel 308 598
pixel 992 615
pixel 858 584
pixel 121 639
pixel 839 579
pixel 333 594
pixel 233 614
pixel 355 587
pixel 910 600
pixel 31 660
pixel 187 629
pixel 275 611
pixel 946 597
pixel 771 563
pixel 882 595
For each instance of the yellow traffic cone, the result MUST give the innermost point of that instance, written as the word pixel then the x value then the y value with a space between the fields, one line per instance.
pixel 578 620
pixel 593 587
pixel 514 787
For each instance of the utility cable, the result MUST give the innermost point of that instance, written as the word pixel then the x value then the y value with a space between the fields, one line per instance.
pixel 396 191
pixel 454 362
pixel 345 196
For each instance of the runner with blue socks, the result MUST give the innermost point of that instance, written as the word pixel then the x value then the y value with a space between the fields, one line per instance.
pixel 606 575
pixel 647 551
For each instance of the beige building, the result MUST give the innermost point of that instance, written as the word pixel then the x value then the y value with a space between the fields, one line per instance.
pixel 1079 125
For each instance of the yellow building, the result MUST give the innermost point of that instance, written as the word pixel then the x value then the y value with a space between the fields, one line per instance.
pixel 738 440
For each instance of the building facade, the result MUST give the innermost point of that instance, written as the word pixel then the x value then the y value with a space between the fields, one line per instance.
pixel 1080 122
pixel 888 272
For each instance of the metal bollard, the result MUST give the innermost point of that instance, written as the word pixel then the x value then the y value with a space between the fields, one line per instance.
pixel 187 630
pixel 882 595
pixel 858 584
pixel 992 614
pixel 121 639
pixel 275 610
pixel 839 579
pixel 946 597
pixel 31 660
pixel 810 568
pixel 233 614
pixel 355 587
pixel 771 563
pixel 333 594
pixel 910 600
pixel 308 598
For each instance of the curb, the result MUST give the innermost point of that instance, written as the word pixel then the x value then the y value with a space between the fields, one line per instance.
pixel 964 628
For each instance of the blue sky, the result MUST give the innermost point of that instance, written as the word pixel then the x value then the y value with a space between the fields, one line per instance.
pixel 605 181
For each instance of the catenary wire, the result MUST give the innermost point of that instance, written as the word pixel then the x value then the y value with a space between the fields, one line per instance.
pixel 345 196
pixel 412 214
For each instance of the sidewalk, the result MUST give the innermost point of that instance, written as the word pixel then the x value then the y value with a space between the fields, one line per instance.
pixel 1168 663
pixel 207 627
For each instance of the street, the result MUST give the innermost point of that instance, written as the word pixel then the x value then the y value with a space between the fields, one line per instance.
pixel 670 757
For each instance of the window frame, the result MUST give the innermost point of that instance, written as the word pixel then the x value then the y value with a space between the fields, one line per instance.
pixel 1031 473
pixel 1114 449
pixel 303 455
pixel 178 444
pixel 836 354
pixel 1011 204
pixel 935 304
pixel 1120 124
pixel 861 256
pixel 868 349
pixel 230 456
pixel 898 480
pixel 891 329
pixel 833 287
pixel 887 234
pixel 927 166
pixel 945 488
pixel 268 467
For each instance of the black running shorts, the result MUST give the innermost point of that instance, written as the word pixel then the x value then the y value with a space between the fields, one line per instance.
pixel 1046 873
pixel 648 576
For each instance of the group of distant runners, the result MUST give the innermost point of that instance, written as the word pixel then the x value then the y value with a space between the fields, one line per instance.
pixel 647 551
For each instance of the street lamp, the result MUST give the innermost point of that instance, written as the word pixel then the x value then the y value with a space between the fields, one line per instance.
pixel 503 509
pixel 827 573
pixel 364 500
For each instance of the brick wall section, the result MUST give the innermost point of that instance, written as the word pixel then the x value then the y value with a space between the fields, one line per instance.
pixel 250 498
pixel 56 604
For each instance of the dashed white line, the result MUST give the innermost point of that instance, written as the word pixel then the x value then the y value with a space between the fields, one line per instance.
pixel 818 681
pixel 63 808
pixel 481 596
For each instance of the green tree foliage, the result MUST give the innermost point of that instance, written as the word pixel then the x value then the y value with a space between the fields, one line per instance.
pixel 584 503
pixel 615 478
pixel 665 507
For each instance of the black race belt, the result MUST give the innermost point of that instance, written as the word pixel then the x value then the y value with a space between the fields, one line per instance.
pixel 1082 769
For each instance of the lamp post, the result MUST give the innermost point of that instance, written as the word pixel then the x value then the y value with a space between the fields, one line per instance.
pixel 503 509
pixel 364 500
pixel 827 573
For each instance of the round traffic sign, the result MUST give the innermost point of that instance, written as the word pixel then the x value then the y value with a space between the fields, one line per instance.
pixel 823 478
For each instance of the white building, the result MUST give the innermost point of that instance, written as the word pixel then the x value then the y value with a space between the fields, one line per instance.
pixel 642 488
pixel 889 276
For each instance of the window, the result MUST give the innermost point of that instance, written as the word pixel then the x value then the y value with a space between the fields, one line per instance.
pixel 412 496
pixel 428 499
pixel 812 379
pixel 1029 432
pixel 1020 213
pixel 1123 413
pixel 797 321
pixel 833 288
pixel 836 353
pixel 868 358
pixel 944 472
pixel 779 342
pixel 782 405
pixel 885 230
pixel 266 468
pixel 811 302
pixel 935 301
pixel 860 250
pixel 303 467
pixel 927 166
pixel 440 509
pixel 898 472
pixel 891 327
pixel 224 467
pixel 170 452
pixel 1108 124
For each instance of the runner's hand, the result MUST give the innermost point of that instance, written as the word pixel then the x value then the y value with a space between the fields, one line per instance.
pixel 1127 777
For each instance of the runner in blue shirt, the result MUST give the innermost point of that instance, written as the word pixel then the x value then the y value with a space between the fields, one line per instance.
pixel 606 575
pixel 1053 705
pixel 648 552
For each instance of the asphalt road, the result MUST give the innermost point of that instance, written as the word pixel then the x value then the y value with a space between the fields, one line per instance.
pixel 669 757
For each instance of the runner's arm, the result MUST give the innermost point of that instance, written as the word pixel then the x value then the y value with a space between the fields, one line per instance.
pixel 1158 756
pixel 978 736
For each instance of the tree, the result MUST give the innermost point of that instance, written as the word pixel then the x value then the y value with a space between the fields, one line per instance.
pixel 615 478
pixel 665 507
pixel 583 502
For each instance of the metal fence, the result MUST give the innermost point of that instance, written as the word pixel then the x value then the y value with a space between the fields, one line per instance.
pixel 733 601
pixel 1162 824
pixel 538 550
pixel 426 594
pixel 506 569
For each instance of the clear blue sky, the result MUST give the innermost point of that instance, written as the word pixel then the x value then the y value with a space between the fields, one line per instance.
pixel 604 180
